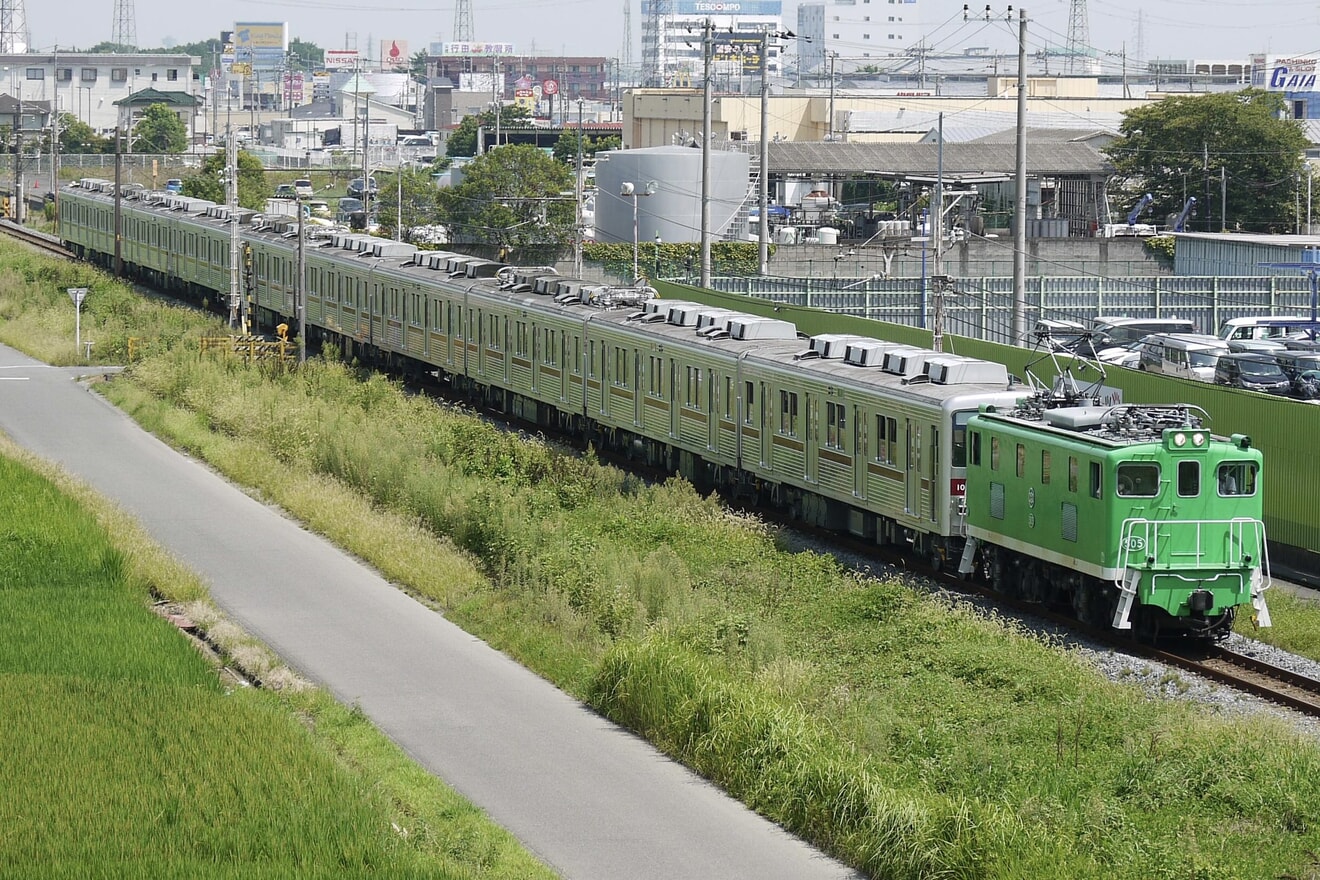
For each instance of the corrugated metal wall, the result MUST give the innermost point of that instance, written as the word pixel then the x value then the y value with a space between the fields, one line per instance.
pixel 981 308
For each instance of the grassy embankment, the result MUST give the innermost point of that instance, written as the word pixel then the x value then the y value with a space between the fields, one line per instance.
pixel 909 737
pixel 125 755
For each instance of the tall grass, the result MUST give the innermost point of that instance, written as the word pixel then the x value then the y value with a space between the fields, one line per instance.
pixel 909 737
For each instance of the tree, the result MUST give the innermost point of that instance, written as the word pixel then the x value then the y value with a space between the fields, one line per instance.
pixel 463 139
pixel 208 183
pixel 566 147
pixel 1179 148
pixel 419 202
pixel 417 66
pixel 77 136
pixel 513 197
pixel 159 130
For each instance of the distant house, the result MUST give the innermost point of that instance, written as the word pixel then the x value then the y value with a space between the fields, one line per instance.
pixel 132 107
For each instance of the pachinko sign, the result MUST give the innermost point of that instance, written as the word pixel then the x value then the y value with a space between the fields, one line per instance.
pixel 1285 73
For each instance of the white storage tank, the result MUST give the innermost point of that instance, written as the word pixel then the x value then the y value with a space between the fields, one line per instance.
pixel 827 235
pixel 673 210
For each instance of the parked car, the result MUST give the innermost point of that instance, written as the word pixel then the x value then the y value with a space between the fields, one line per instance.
pixel 1187 355
pixel 1112 331
pixel 174 185
pixel 356 188
pixel 285 191
pixel 1255 328
pixel 1252 371
pixel 303 188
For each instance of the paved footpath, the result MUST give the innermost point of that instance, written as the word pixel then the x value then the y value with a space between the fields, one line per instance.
pixel 593 801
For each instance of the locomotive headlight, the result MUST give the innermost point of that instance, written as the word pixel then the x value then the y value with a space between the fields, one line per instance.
pixel 1180 439
pixel 1198 439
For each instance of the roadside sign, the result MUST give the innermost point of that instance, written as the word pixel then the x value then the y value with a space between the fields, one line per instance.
pixel 550 87
pixel 77 294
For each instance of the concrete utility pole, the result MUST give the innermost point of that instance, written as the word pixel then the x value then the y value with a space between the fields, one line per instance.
pixel 302 284
pixel 231 199
pixel 18 164
pixel 707 49
pixel 55 140
pixel 119 166
pixel 937 233
pixel 763 249
pixel 1020 205
pixel 577 202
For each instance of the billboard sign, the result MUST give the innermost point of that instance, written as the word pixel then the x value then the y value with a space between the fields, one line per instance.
pixel 1285 73
pixel 260 45
pixel 478 49
pixel 738 48
pixel 341 59
pixel 769 8
pixel 394 53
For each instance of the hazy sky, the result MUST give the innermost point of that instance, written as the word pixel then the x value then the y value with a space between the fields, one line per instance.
pixel 1172 28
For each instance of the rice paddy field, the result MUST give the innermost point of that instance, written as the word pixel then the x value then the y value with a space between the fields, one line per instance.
pixel 126 755
pixel 905 735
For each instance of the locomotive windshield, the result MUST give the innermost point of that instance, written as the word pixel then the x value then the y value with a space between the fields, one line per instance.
pixel 1139 479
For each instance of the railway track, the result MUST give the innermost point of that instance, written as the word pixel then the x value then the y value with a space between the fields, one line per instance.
pixel 1249 674
pixel 40 240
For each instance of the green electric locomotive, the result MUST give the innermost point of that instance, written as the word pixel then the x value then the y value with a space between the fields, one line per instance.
pixel 1134 514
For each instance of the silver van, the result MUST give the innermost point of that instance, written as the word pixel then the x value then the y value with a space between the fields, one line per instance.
pixel 1108 332
pixel 1186 355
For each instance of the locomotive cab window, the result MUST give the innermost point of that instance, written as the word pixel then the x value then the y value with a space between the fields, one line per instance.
pixel 1096 489
pixel 1138 479
pixel 1237 478
pixel 1189 479
pixel 960 438
pixel 976 449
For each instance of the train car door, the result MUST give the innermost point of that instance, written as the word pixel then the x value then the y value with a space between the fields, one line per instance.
pixel 673 398
pixel 912 470
pixel 935 487
pixel 764 425
pixel 811 439
pixel 860 453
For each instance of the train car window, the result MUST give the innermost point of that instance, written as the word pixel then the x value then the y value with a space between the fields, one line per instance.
pixel 591 358
pixel 976 448
pixel 493 333
pixel 1140 479
pixel 1044 467
pixel 1097 490
pixel 520 340
pixel 788 413
pixel 692 387
pixel 728 397
pixel 577 355
pixel 994 453
pixel 1237 478
pixel 836 419
pixel 550 349
pixel 655 377
pixel 960 438
pixel 1021 461
pixel 749 402
pixel 1189 478
pixel 886 447
pixel 1072 473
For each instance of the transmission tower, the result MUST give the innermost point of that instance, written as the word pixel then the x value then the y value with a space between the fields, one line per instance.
pixel 13 26
pixel 124 35
pixel 1141 35
pixel 654 35
pixel 1079 37
pixel 626 56
pixel 464 32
